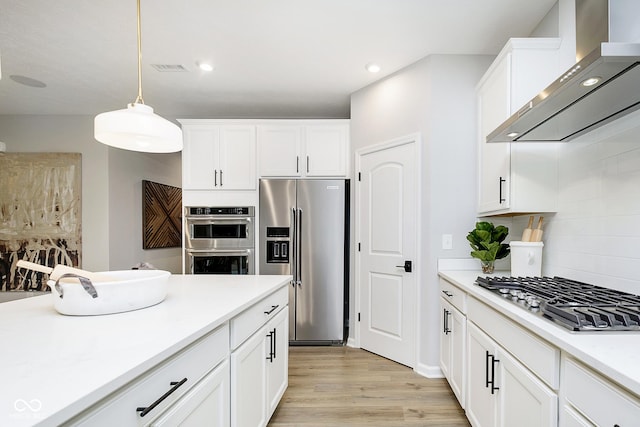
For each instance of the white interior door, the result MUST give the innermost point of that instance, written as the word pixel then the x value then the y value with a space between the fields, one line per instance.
pixel 387 215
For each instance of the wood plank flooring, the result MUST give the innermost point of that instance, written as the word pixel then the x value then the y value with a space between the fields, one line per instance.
pixel 343 386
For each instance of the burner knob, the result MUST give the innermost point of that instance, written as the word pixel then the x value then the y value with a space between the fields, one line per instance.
pixel 533 302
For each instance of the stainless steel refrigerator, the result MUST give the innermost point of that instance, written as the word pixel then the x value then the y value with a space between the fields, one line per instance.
pixel 304 232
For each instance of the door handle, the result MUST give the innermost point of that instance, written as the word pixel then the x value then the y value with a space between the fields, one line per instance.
pixel 406 266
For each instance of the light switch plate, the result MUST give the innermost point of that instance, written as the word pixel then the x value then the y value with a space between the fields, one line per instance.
pixel 447 241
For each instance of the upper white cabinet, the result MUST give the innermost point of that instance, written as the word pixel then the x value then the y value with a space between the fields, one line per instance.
pixel 304 149
pixel 219 157
pixel 516 177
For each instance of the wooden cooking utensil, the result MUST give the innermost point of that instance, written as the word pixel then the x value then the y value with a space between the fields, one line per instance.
pixel 526 234
pixel 59 270
pixel 536 235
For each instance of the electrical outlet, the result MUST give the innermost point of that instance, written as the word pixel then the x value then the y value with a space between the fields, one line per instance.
pixel 447 241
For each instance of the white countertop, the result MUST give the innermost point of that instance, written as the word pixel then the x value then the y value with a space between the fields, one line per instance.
pixel 614 354
pixel 53 366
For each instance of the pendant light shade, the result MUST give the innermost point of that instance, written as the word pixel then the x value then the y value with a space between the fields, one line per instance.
pixel 138 128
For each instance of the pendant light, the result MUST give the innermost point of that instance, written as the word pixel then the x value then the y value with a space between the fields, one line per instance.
pixel 138 128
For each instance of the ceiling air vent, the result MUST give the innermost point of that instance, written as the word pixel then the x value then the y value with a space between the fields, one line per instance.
pixel 169 68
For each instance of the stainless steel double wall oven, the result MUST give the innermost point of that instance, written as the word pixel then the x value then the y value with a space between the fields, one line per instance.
pixel 219 240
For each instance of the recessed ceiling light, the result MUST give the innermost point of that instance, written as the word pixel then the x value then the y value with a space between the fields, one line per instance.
pixel 591 81
pixel 27 81
pixel 204 66
pixel 372 68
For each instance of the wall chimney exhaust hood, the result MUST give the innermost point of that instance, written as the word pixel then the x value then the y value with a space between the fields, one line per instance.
pixel 603 86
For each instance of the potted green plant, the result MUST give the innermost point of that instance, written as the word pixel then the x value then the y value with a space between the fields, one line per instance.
pixel 486 244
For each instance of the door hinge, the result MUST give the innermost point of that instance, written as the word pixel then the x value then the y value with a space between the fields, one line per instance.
pixel 358 317
pixel 359 176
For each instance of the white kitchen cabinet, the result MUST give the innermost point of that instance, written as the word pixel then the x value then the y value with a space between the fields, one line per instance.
pixel 219 157
pixel 206 404
pixel 453 333
pixel 277 335
pixel 191 383
pixel 501 391
pixel 259 363
pixel 304 149
pixel 516 177
pixel 452 348
pixel 248 383
pixel 590 399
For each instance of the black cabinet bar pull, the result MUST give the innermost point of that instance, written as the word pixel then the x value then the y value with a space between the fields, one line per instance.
pixel 449 294
pixel 307 164
pixel 273 308
pixel 486 370
pixel 500 183
pixel 297 164
pixel 215 177
pixel 145 410
pixel 270 356
pixel 447 313
pixel 493 374
pixel 275 343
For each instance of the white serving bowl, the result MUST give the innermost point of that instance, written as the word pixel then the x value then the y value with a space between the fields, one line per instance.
pixel 128 290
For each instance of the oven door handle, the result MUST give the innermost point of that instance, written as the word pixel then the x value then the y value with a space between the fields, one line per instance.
pixel 219 251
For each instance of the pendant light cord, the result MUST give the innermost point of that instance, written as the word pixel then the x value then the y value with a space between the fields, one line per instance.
pixel 139 99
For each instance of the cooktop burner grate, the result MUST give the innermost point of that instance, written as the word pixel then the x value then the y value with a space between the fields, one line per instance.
pixel 575 305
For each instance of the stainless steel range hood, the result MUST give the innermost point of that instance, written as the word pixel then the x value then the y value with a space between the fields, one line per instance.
pixel 570 107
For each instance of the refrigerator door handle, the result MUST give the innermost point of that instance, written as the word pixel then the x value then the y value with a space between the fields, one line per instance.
pixel 294 253
pixel 299 247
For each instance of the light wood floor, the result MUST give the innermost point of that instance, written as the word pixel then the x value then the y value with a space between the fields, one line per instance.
pixel 343 386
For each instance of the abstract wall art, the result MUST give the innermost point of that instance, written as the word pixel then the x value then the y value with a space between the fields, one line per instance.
pixel 162 216
pixel 40 215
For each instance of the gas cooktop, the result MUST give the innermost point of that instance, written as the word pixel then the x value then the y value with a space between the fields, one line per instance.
pixel 575 305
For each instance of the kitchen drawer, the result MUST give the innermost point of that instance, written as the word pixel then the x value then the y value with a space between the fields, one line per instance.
pixel 191 364
pixel 456 296
pixel 537 355
pixel 596 398
pixel 249 321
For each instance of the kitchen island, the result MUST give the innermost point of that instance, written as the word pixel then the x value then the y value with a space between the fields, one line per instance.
pixel 57 368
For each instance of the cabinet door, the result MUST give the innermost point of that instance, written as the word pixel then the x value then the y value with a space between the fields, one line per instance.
pixel 279 150
pixel 206 404
pixel 248 382
pixel 237 158
pixel 481 402
pixel 198 157
pixel 495 168
pixel 445 338
pixel 524 400
pixel 458 325
pixel 326 150
pixel 278 359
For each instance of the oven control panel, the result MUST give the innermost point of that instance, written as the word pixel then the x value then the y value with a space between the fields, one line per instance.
pixel 212 210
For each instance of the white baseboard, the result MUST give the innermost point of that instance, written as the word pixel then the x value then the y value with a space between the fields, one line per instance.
pixel 428 371
pixel 351 342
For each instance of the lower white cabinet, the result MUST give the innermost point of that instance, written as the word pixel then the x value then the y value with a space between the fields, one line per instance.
pixel 590 399
pixel 259 364
pixel 206 404
pixel 187 386
pixel 501 391
pixel 453 330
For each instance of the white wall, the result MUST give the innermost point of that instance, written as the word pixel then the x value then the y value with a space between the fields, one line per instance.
pixel 436 98
pixel 127 170
pixel 111 233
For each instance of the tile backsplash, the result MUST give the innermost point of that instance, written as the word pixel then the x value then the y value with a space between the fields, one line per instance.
pixel 595 235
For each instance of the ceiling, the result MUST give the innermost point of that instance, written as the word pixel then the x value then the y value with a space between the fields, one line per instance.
pixel 272 58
